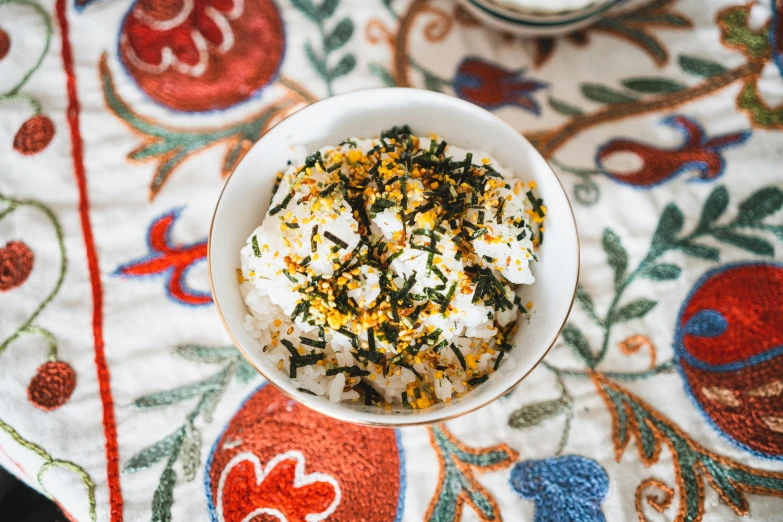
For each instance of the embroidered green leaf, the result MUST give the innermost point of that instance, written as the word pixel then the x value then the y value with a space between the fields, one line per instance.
pixel 575 339
pixel 669 225
pixel 343 67
pixel 536 413
pixel 308 9
pixel 759 205
pixel 700 66
pixel 245 372
pixel 190 454
pixel 339 36
pixel 615 254
pixel 164 496
pixel 383 75
pixel 634 310
pixel 716 204
pixel 316 61
pixel 653 85
pixel 167 397
pixel 752 244
pixel 586 302
pixel 663 272
pixel 328 7
pixel 203 354
pixel 155 453
pixel 563 107
pixel 700 251
pixel 760 113
pixel 431 82
pixel 735 32
pixel 632 34
pixel 602 94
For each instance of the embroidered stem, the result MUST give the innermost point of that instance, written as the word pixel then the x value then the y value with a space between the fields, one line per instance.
pixel 50 462
pixel 48 22
pixel 28 326
pixel 569 412
pixel 20 96
pixel 664 367
pixel 549 141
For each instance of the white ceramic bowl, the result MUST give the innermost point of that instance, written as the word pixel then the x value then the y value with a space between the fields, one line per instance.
pixel 244 203
pixel 504 16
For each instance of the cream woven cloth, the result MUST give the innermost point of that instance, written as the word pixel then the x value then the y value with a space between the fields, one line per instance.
pixel 122 398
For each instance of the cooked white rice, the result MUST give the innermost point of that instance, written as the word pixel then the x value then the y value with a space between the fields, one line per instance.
pixel 345 323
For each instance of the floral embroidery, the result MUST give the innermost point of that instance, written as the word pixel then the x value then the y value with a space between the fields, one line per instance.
pixel 16 263
pixel 5 44
pixel 52 385
pixel 201 55
pixel 776 34
pixel 492 86
pixel 271 436
pixel 281 489
pixel 729 347
pixel 34 135
pixel 698 152
pixel 564 488
pixel 169 260
pixel 456 483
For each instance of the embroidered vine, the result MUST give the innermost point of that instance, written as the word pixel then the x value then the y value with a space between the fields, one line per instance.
pixel 331 41
pixel 50 463
pixel 183 445
pixel 170 146
pixel 456 484
pixel 37 132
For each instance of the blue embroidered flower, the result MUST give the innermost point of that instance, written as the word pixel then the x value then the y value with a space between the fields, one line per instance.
pixel 491 86
pixel 565 489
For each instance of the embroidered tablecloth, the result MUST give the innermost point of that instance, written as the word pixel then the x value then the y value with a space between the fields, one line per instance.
pixel 122 398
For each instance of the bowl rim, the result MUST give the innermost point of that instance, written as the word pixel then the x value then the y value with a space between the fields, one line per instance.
pixel 545 20
pixel 390 420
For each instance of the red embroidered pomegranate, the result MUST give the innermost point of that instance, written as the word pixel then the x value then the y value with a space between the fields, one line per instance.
pixel 16 263
pixel 34 135
pixel 5 43
pixel 201 55
pixel 52 385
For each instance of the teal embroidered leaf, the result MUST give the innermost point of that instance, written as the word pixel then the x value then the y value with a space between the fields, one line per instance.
pixel 602 94
pixel 532 414
pixel 316 61
pixel 245 372
pixel 190 454
pixel 752 244
pixel 383 75
pixel 653 85
pixel 203 354
pixel 328 7
pixel 308 9
pixel 167 397
pixel 586 302
pixel 700 66
pixel 634 310
pixel 575 339
pixel 164 496
pixel 615 255
pixel 700 251
pixel 636 36
pixel 716 204
pixel 431 83
pixel 663 272
pixel 563 107
pixel 343 67
pixel 339 36
pixel 759 205
pixel 669 225
pixel 155 453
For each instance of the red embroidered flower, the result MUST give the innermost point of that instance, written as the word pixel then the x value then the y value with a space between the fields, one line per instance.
pixel 197 55
pixel 171 260
pixel 16 263
pixel 492 87
pixel 281 490
pixel 52 386
pixel 34 135
pixel 5 43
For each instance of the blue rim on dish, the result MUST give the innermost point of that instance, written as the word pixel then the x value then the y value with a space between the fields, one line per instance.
pixel 582 16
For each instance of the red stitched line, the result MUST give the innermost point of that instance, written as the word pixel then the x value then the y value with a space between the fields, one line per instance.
pixel 109 424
